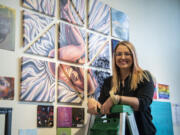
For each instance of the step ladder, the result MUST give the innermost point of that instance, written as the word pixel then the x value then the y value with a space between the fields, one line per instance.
pixel 114 126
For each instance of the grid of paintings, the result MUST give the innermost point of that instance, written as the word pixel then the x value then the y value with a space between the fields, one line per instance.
pixel 83 53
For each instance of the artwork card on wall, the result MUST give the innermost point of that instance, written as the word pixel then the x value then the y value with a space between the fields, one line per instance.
pixel 64 117
pixel 70 117
pixel 70 84
pixel 27 131
pixel 120 25
pixel 73 11
pixel 37 80
pixel 47 7
pixel 45 116
pixel 162 117
pixel 7 28
pixel 99 16
pixel 98 51
pixel 33 25
pixel 77 117
pixel 6 88
pixel 95 81
pixel 64 131
pixel 71 44
pixel 163 91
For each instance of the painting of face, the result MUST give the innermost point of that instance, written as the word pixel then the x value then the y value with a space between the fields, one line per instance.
pixel 123 57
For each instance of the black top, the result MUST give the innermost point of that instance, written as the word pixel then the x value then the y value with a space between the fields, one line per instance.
pixel 144 93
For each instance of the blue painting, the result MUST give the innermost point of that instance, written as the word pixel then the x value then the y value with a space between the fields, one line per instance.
pixel 95 81
pixel 33 24
pixel 99 17
pixel 120 25
pixel 73 11
pixel 98 51
pixel 37 80
pixel 43 6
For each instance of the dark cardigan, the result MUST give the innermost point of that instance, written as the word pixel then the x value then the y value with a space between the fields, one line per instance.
pixel 144 93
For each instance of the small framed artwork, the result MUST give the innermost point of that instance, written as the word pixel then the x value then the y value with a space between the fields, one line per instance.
pixel 5 121
pixel 45 116
pixel 6 88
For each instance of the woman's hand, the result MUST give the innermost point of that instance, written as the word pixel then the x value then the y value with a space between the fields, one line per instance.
pixel 105 108
pixel 93 105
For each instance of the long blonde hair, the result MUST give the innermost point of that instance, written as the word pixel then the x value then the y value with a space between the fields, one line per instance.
pixel 137 73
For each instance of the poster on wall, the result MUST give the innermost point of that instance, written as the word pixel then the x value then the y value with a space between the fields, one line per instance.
pixel 120 25
pixel 38 43
pixel 7 28
pixel 163 91
pixel 37 80
pixel 71 44
pixel 6 88
pixel 70 84
pixel 176 114
pixel 98 51
pixel 73 11
pixel 47 7
pixel 70 117
pixel 162 117
pixel 27 132
pixel 45 116
pixel 99 16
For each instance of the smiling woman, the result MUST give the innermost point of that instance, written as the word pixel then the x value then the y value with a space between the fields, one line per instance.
pixel 129 85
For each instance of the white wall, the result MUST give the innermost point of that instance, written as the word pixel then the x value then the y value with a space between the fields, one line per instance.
pixel 154 30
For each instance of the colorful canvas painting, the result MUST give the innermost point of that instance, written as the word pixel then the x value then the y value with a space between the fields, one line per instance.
pixel 43 6
pixel 120 25
pixel 71 44
pixel 45 116
pixel 163 91
pixel 99 16
pixel 64 117
pixel 7 28
pixel 27 131
pixel 98 51
pixel 162 117
pixel 63 131
pixel 96 79
pixel 6 88
pixel 40 44
pixel 70 84
pixel 73 11
pixel 37 80
pixel 77 117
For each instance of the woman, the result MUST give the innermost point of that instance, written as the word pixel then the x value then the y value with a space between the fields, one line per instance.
pixel 129 85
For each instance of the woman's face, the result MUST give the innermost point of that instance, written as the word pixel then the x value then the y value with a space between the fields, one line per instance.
pixel 123 57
